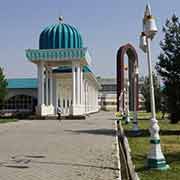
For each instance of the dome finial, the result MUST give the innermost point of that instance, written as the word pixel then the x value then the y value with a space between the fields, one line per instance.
pixel 61 19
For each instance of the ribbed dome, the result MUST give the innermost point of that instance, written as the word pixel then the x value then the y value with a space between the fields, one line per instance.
pixel 60 35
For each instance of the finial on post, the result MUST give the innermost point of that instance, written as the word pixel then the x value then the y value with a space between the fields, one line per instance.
pixel 61 19
pixel 147 12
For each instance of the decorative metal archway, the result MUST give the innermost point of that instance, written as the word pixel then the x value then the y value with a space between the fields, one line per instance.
pixel 133 77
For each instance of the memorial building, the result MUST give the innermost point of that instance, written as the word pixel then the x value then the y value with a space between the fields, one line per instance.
pixel 64 76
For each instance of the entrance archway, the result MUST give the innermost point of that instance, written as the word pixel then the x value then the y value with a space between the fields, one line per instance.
pixel 132 76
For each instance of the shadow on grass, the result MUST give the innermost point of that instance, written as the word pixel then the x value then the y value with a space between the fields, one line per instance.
pixel 145 133
pixel 141 162
pixel 171 158
pixel 139 118
pixel 108 132
pixel 143 118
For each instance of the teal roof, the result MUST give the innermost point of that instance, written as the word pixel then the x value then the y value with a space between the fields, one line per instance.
pixel 23 83
pixel 59 36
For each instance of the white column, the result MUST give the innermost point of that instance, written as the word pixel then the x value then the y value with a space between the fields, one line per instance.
pixel 40 84
pixel 51 86
pixel 55 94
pixel 90 96
pixel 96 97
pixel 87 97
pixel 47 87
pixel 93 97
pixel 81 86
pixel 73 84
pixel 78 84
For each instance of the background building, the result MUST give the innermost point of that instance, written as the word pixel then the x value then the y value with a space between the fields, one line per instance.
pixel 107 94
pixel 22 94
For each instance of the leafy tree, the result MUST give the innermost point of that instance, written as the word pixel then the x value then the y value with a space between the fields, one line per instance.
pixel 145 89
pixel 3 85
pixel 168 66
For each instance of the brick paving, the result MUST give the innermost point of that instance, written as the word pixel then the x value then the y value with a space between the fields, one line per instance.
pixel 53 150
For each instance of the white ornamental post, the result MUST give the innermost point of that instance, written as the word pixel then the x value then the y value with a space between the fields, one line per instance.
pixel 156 159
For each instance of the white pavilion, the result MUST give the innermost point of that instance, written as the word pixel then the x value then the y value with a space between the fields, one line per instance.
pixel 64 75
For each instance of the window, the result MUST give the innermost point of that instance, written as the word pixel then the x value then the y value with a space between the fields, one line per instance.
pixel 19 102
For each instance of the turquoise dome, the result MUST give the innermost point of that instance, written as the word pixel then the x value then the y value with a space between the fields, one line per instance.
pixel 60 35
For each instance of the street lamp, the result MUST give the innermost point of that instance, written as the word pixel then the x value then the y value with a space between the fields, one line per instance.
pixel 135 116
pixel 155 157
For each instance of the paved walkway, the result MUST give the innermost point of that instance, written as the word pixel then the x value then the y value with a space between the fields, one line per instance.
pixel 53 150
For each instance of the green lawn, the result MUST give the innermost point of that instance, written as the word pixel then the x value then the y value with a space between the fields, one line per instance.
pixel 170 143
pixel 7 120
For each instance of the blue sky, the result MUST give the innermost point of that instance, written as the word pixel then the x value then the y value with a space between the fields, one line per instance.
pixel 105 26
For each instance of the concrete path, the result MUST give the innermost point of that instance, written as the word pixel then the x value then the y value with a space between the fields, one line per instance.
pixel 53 150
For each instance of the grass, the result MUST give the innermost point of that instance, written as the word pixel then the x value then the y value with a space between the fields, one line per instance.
pixel 4 120
pixel 170 144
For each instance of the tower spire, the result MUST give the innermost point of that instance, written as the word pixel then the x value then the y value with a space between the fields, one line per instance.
pixel 148 10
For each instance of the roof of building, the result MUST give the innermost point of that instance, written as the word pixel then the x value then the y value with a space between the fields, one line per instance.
pixel 60 35
pixel 22 83
pixel 107 81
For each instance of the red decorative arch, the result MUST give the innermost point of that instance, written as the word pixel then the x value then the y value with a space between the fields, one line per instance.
pixel 132 61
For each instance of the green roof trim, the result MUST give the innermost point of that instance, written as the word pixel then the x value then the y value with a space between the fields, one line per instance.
pixel 22 83
pixel 58 54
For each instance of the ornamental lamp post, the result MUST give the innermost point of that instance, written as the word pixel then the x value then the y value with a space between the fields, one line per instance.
pixel 143 42
pixel 155 158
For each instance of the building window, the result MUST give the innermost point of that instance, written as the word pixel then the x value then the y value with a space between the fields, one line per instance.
pixel 108 87
pixel 19 103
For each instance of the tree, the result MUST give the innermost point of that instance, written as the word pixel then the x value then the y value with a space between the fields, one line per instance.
pixel 3 85
pixel 145 89
pixel 168 66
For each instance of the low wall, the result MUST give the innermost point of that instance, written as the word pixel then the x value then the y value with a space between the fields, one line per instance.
pixel 127 168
